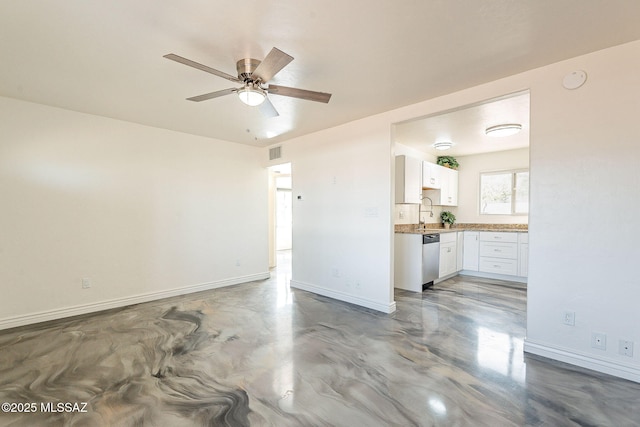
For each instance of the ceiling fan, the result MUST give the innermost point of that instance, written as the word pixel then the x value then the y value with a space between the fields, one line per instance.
pixel 254 75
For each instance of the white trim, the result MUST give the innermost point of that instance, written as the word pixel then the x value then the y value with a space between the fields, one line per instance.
pixel 620 370
pixel 341 296
pixel 506 277
pixel 443 278
pixel 43 316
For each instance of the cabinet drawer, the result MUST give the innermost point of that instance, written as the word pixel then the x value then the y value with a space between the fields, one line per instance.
pixel 493 236
pixel 499 250
pixel 499 266
pixel 448 237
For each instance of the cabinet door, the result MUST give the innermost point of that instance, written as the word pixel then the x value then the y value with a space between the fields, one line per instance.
pixel 459 250
pixel 447 259
pixel 443 262
pixel 448 187
pixel 471 254
pixel 430 175
pixel 408 180
pixel 408 262
pixel 523 254
pixel 523 260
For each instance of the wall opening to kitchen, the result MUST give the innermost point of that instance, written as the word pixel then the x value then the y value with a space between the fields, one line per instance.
pixel 280 213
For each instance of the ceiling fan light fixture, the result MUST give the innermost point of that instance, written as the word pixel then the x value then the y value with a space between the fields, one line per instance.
pixel 443 145
pixel 252 95
pixel 503 130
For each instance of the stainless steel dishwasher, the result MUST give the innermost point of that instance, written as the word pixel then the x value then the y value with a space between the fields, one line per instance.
pixel 430 259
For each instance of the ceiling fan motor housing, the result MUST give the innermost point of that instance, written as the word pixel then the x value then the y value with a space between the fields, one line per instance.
pixel 246 67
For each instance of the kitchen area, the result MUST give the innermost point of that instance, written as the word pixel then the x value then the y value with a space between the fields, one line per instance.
pixel 461 191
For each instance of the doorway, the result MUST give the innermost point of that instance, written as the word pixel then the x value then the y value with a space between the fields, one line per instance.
pixel 280 212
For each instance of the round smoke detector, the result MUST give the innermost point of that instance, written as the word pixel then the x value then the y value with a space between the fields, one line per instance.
pixel 574 80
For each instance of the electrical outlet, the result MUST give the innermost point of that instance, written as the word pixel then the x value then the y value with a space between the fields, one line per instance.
pixel 401 215
pixel 569 318
pixel 599 340
pixel 86 283
pixel 625 348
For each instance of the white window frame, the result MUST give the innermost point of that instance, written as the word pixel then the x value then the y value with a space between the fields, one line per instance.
pixel 513 173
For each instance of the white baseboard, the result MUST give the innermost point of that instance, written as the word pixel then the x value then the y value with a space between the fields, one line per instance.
pixel 44 316
pixel 341 296
pixel 442 279
pixel 506 277
pixel 620 370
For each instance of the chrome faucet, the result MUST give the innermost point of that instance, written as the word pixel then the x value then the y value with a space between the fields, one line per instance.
pixel 420 221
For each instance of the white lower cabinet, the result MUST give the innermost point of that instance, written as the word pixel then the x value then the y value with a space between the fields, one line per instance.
pixel 501 253
pixel 499 266
pixel 448 254
pixel 499 250
pixel 459 250
pixel 408 262
pixel 471 251
pixel 486 253
pixel 523 254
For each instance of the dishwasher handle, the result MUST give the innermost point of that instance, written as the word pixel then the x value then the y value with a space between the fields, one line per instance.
pixel 430 238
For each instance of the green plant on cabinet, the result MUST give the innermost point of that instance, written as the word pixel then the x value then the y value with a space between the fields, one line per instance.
pixel 448 162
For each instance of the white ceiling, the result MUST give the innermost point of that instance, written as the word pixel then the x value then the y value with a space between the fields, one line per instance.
pixel 465 128
pixel 105 57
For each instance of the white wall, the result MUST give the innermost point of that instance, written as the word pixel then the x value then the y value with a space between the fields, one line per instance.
pixel 342 225
pixel 471 166
pixel 583 147
pixel 142 212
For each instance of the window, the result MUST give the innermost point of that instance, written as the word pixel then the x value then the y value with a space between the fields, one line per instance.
pixel 504 193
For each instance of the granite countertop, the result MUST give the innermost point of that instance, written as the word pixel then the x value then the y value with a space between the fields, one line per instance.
pixel 415 229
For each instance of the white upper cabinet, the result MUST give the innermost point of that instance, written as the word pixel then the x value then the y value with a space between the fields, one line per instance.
pixel 430 175
pixel 448 187
pixel 445 190
pixel 408 180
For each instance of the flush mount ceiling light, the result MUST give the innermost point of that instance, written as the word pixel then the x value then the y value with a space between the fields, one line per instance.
pixel 443 145
pixel 252 95
pixel 503 130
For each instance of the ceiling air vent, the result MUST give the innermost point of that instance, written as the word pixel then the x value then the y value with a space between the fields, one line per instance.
pixel 275 153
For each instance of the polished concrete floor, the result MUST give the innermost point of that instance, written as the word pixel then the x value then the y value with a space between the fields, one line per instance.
pixel 261 354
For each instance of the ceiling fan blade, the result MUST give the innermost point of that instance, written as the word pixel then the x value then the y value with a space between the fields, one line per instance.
pixel 267 109
pixel 275 61
pixel 309 95
pixel 199 66
pixel 212 95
